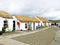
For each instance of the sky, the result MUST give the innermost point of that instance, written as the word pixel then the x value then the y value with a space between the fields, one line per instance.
pixel 45 8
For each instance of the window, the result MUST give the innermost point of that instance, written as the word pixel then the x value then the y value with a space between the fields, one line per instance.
pixel 25 25
pixel 5 22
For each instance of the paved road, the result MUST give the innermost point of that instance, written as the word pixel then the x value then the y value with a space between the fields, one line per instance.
pixel 8 41
pixel 56 41
pixel 39 38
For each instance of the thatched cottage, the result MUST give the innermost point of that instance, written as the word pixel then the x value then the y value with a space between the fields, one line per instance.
pixel 25 23
pixel 43 21
pixel 5 18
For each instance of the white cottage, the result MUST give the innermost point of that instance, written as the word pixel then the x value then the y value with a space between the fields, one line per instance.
pixel 25 23
pixel 5 18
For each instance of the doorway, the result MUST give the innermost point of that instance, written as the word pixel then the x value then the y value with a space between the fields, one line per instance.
pixel 34 26
pixel 13 25
pixel 29 26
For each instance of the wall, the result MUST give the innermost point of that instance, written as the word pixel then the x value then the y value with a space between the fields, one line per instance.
pixel 22 26
pixel 43 24
pixel 15 19
pixel 10 24
pixel 36 24
pixel 1 23
pixel 32 26
pixel 47 24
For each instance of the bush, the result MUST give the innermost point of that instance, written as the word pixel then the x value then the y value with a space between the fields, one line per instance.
pixel 8 30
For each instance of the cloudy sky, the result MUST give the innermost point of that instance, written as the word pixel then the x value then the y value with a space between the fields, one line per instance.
pixel 45 8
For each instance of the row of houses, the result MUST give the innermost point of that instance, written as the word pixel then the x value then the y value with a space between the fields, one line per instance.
pixel 17 22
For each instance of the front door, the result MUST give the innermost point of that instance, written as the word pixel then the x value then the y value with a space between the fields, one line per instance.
pixel 34 26
pixel 13 25
pixel 29 26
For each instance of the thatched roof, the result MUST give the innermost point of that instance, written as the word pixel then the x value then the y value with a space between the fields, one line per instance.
pixel 5 14
pixel 43 19
pixel 26 19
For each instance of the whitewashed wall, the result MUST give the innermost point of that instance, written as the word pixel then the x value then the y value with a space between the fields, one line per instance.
pixel 15 19
pixel 36 24
pixel 40 24
pixel 10 23
pixel 47 24
pixel 43 24
pixel 1 23
pixel 22 26
pixel 32 25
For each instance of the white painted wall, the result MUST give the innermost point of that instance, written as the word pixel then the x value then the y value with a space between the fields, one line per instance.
pixel 36 24
pixel 32 25
pixel 10 23
pixel 22 26
pixel 15 19
pixel 47 24
pixel 16 26
pixel 43 24
pixel 1 23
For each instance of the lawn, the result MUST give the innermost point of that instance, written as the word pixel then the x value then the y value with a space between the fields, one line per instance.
pixel 38 38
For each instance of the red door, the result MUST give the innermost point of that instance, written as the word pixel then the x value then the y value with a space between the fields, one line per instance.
pixel 18 23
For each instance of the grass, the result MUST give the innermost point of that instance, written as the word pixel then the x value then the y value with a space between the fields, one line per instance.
pixel 38 38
